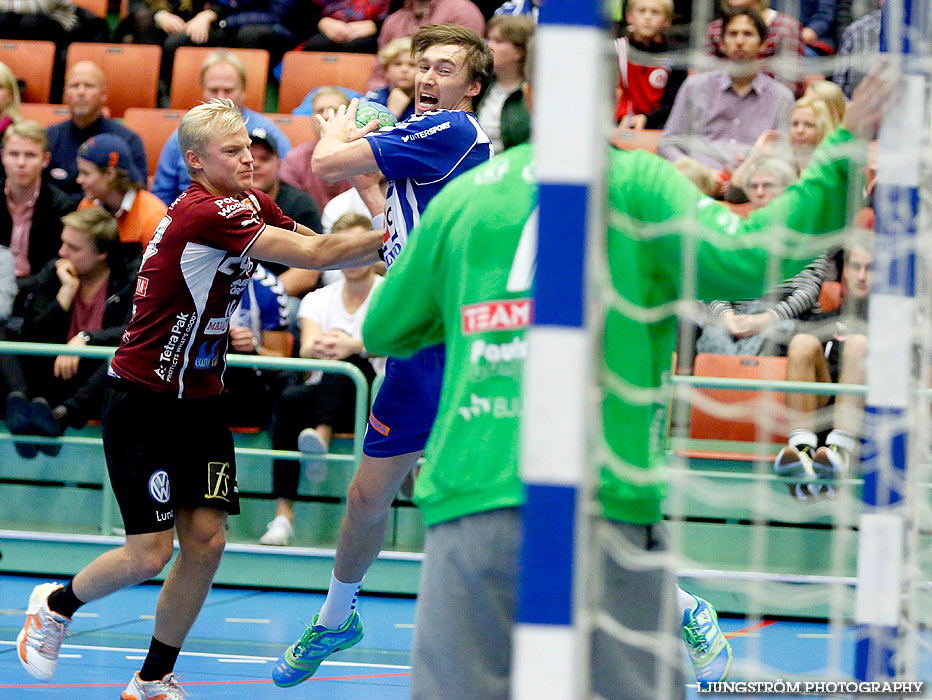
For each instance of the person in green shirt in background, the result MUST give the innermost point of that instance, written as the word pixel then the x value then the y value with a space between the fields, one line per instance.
pixel 453 286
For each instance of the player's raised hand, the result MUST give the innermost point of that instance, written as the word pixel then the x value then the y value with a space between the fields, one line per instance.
pixel 870 103
pixel 341 124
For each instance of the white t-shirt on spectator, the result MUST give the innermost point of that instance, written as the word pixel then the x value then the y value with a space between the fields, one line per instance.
pixel 348 202
pixel 325 306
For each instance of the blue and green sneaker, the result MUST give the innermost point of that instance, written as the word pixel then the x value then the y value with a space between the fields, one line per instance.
pixel 708 649
pixel 301 659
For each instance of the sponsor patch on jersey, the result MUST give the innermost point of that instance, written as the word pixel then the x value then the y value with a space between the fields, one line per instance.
pixel 427 132
pixel 141 285
pixel 378 425
pixel 502 315
pixel 207 355
pixel 217 326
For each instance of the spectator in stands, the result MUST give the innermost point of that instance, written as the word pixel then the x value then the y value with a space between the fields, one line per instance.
pixel 222 75
pixel 85 95
pixel 297 204
pixel 502 113
pixel 152 21
pixel 860 40
pixel 7 284
pixel 766 178
pixel 645 93
pixel 30 223
pixel 817 18
pixel 273 25
pixel 84 297
pixel 717 116
pixel 309 414
pixel 259 326
pixel 105 175
pixel 831 95
pixel 415 14
pixel 835 352
pixel 58 21
pixel 347 26
pixel 399 66
pixel 783 37
pixel 9 98
pixel 296 165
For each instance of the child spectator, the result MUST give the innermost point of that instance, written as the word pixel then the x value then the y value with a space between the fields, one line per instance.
pixel 347 25
pixel 105 174
pixel 309 414
pixel 645 93
pixel 834 352
pixel 399 66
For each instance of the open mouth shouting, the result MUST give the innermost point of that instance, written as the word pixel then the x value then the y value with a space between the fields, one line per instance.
pixel 426 102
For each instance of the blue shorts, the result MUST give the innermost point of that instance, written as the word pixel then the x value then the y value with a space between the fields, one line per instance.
pixel 406 405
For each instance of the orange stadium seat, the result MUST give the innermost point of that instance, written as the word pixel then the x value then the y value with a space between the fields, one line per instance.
pixel 132 72
pixel 708 426
pixel 98 7
pixel 45 114
pixel 302 71
pixel 32 61
pixel 830 296
pixel 632 140
pixel 154 126
pixel 298 128
pixel 186 76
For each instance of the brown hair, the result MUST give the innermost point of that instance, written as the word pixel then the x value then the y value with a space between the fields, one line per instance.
pixel 478 55
pixel 515 29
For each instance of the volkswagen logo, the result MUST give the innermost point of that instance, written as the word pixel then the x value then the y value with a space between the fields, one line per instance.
pixel 159 487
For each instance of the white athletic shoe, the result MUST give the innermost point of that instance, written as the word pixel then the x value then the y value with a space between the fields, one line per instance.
pixel 165 689
pixel 314 466
pixel 39 642
pixel 278 532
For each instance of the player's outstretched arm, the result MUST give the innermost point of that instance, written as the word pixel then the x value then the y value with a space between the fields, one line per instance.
pixel 342 151
pixel 317 252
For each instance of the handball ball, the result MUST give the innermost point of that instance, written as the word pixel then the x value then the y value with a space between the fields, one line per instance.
pixel 369 111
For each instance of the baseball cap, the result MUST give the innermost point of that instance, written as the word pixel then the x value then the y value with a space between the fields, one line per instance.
pixel 109 150
pixel 261 136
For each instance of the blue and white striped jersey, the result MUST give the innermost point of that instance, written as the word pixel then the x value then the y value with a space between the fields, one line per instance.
pixel 418 157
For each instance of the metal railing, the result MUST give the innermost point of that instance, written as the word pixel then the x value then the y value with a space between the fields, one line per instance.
pixel 233 360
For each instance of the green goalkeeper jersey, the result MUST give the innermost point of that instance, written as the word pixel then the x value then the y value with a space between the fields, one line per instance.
pixel 460 283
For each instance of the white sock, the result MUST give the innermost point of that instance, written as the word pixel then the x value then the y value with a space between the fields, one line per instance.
pixel 685 600
pixel 340 603
pixel 800 437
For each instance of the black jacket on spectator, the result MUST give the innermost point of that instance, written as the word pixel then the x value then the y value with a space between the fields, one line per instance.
pixel 46 321
pixel 301 207
pixel 45 231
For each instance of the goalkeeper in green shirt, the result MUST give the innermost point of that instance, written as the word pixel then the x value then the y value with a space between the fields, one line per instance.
pixel 452 286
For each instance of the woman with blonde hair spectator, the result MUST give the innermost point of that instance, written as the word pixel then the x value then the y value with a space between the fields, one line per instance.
pixel 810 122
pixel 831 95
pixel 9 98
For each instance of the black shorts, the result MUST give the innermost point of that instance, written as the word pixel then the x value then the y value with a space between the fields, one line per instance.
pixel 164 453
pixel 833 351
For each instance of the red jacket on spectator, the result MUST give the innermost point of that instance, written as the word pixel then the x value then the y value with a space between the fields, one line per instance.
pixel 648 90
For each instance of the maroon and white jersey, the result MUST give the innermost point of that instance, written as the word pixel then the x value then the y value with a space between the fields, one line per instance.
pixel 193 273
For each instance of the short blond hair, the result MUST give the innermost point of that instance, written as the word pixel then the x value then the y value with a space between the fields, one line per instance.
pixel 98 224
pixel 667 6
pixel 329 90
pixel 218 117
pixel 393 49
pixel 702 176
pixel 222 56
pixel 831 95
pixel 27 129
pixel 820 109
pixel 351 220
